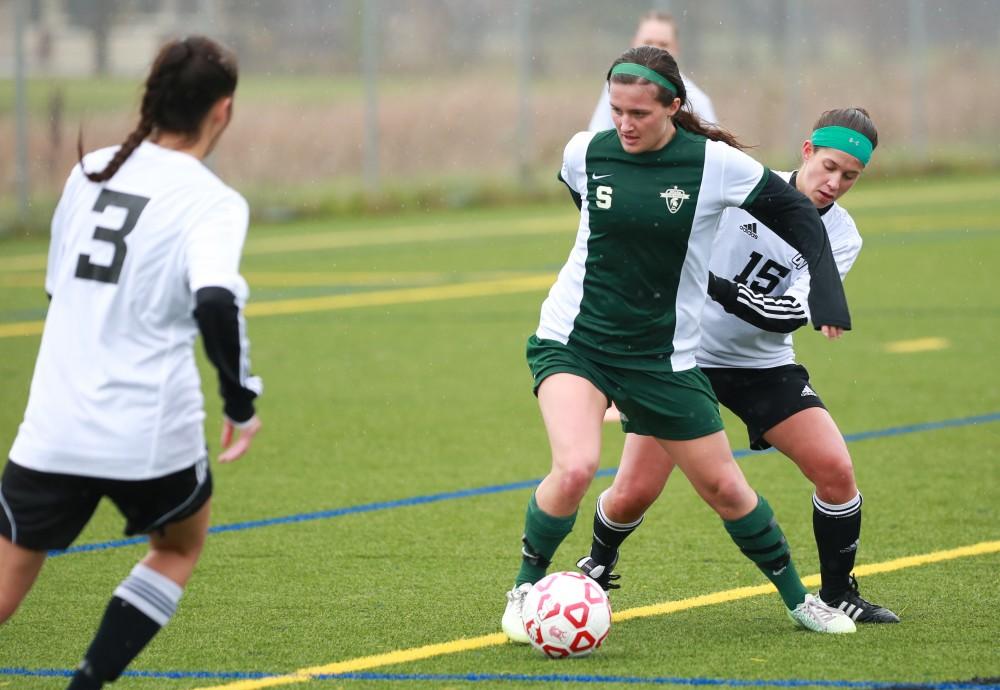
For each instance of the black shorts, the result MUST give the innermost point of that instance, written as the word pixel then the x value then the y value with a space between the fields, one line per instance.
pixel 763 398
pixel 46 510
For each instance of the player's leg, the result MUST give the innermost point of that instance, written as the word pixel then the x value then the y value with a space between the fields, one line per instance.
pixel 810 437
pixel 641 476
pixel 39 511
pixel 709 465
pixel 19 568
pixel 174 511
pixel 572 408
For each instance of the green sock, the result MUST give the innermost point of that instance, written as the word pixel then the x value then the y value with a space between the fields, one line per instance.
pixel 543 533
pixel 761 540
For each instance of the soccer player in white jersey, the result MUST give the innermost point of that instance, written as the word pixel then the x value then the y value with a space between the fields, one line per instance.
pixel 144 254
pixel 622 321
pixel 658 29
pixel 760 290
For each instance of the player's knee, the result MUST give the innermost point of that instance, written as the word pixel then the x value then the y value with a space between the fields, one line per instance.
pixel 186 552
pixel 833 476
pixel 627 503
pixel 575 478
pixel 727 494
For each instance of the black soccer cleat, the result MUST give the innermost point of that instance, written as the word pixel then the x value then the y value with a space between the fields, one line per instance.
pixel 601 574
pixel 859 608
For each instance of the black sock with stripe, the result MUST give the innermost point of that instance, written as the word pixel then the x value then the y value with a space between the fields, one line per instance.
pixel 608 535
pixel 838 532
pixel 141 605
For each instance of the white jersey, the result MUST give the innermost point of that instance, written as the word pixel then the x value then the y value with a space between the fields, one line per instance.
pixel 697 100
pixel 116 392
pixel 747 252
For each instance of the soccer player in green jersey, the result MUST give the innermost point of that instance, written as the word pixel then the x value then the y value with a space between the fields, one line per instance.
pixel 622 322
pixel 759 287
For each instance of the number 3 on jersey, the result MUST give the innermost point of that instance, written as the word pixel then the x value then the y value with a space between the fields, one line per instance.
pixel 133 206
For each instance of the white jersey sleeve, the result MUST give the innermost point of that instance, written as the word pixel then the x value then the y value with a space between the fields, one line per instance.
pixel 741 176
pixel 57 239
pixel 574 165
pixel 215 243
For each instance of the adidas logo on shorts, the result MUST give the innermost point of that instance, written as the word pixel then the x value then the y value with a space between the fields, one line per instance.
pixel 750 229
pixel 808 391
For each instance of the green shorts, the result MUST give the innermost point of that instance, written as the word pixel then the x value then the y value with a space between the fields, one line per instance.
pixel 677 406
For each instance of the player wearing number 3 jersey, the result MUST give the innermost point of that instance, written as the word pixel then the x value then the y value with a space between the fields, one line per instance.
pixel 144 254
pixel 623 321
pixel 761 290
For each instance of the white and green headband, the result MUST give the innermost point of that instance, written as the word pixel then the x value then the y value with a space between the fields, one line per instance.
pixel 846 140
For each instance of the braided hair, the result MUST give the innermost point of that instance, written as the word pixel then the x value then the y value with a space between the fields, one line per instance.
pixel 187 78
pixel 663 63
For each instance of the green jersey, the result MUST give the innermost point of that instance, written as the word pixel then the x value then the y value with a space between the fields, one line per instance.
pixel 632 291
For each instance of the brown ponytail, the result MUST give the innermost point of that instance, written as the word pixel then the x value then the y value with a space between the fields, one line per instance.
pixel 663 63
pixel 188 76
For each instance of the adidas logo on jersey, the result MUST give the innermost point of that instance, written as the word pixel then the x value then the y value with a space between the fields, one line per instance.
pixel 750 229
pixel 808 391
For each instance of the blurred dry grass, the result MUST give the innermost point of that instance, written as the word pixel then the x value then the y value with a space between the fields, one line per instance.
pixel 465 128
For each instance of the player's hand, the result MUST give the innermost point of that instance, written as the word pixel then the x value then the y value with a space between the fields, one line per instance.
pixel 244 436
pixel 832 332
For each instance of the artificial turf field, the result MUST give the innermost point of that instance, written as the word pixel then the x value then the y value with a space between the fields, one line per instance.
pixel 375 524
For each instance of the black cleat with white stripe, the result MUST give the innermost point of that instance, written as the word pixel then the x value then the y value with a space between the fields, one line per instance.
pixel 860 609
pixel 601 574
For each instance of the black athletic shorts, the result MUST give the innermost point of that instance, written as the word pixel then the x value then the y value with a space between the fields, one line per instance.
pixel 762 398
pixel 46 510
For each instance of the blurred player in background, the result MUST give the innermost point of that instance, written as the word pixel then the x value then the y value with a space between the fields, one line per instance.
pixel 622 322
pixel 760 288
pixel 657 29
pixel 145 252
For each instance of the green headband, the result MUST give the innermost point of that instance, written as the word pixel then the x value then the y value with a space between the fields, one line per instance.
pixel 846 140
pixel 644 72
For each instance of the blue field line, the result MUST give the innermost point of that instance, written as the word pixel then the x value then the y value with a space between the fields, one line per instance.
pixel 500 488
pixel 642 680
pixel 530 678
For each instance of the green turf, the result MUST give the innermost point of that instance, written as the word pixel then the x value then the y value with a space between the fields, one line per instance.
pixel 384 403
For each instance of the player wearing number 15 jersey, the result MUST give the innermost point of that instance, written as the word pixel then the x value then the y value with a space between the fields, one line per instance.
pixel 144 255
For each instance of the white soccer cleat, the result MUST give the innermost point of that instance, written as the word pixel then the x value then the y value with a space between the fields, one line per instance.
pixel 813 614
pixel 511 622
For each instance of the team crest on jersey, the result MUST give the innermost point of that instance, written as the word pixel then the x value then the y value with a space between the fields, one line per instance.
pixel 675 197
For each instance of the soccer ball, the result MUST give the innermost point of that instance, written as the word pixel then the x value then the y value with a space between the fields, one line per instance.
pixel 566 614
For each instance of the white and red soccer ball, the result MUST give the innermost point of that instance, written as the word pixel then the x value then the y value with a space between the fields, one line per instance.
pixel 566 614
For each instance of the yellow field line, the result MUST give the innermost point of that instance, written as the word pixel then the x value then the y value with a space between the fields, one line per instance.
pixel 917 345
pixel 485 288
pixel 36 279
pixel 17 329
pixel 475 229
pixel 340 239
pixel 426 652
pixel 24 262
pixel 376 298
pixel 406 235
